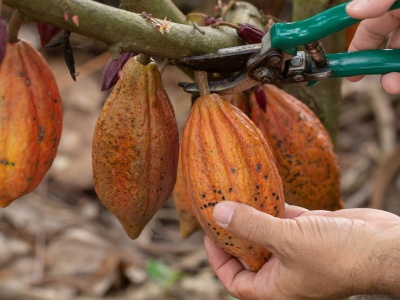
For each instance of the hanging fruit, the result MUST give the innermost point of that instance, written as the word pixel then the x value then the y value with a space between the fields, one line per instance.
pixel 188 223
pixel 225 157
pixel 30 120
pixel 135 147
pixel 240 101
pixel 301 146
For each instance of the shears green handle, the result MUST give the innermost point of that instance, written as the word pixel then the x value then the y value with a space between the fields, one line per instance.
pixel 287 36
pixel 365 62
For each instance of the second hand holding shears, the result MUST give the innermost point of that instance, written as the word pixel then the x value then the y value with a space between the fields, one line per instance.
pixel 277 57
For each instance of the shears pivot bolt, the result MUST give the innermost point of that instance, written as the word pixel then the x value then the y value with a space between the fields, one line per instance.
pixel 264 75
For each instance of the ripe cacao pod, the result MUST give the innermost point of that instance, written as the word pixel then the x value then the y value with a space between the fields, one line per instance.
pixel 188 223
pixel 226 157
pixel 135 147
pixel 30 120
pixel 302 148
pixel 240 101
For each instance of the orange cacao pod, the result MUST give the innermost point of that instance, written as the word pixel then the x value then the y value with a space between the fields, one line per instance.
pixel 30 120
pixel 135 147
pixel 225 157
pixel 187 219
pixel 240 101
pixel 302 148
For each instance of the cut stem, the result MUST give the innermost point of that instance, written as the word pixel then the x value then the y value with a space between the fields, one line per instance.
pixel 202 82
pixel 13 29
pixel 144 59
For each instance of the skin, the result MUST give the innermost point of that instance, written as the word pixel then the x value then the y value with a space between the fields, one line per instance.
pixel 315 254
pixel 372 32
pixel 320 254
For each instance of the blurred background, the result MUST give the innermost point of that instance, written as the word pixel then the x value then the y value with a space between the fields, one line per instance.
pixel 59 242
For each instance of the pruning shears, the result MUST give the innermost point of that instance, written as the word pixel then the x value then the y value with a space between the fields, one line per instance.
pixel 277 57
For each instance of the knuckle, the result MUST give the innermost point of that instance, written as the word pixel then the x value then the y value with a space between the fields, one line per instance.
pixel 253 227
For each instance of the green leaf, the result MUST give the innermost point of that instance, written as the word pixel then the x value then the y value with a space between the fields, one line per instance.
pixel 161 273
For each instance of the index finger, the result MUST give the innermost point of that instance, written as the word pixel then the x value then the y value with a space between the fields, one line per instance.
pixel 360 9
pixel 372 32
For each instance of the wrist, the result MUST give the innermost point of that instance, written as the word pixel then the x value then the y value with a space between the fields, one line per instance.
pixel 387 258
pixel 374 269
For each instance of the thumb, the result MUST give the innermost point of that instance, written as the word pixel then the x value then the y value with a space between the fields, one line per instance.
pixel 365 9
pixel 252 225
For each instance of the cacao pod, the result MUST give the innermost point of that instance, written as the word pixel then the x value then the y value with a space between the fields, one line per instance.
pixel 187 219
pixel 240 101
pixel 225 157
pixel 112 70
pixel 135 147
pixel 30 120
pixel 302 148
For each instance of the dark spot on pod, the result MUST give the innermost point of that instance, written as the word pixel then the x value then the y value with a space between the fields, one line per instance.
pixel 201 207
pixel 265 176
pixel 223 198
pixel 22 73
pixel 214 228
pixel 214 191
pixel 273 194
pixel 257 187
pixel 277 197
pixel 265 258
pixel 208 224
pixel 275 207
pixel 6 163
pixel 230 237
pixel 262 205
pixel 41 133
pixel 250 247
pixel 217 233
pixel 230 190
pixel 205 205
pixel 203 196
pixel 29 179
pixel 233 171
pixel 227 244
pixel 258 167
pixel 231 244
pixel 219 192
pixel 210 203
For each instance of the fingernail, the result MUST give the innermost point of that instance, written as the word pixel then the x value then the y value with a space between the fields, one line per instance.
pixel 223 213
pixel 357 4
pixel 244 265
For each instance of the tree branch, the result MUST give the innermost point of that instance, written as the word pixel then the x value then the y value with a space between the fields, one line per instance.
pixel 125 31
pixel 159 9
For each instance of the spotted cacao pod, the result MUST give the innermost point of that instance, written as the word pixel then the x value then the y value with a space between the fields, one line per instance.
pixel 135 147
pixel 188 223
pixel 302 148
pixel 30 120
pixel 225 157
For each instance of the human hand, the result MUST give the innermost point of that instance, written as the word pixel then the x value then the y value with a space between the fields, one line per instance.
pixel 378 23
pixel 315 254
